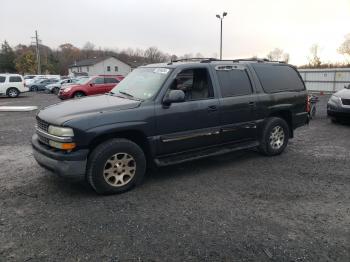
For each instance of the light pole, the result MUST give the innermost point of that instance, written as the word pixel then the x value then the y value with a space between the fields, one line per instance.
pixel 221 18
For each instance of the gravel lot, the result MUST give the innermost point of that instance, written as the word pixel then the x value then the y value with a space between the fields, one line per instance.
pixel 236 207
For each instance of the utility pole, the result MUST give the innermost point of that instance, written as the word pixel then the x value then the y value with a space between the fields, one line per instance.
pixel 37 41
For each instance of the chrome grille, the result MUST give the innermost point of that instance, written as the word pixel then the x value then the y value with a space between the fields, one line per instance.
pixel 345 102
pixel 42 125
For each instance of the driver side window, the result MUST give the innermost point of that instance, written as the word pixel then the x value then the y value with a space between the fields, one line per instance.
pixel 195 83
pixel 98 80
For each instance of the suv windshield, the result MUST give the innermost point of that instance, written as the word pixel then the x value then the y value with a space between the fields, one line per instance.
pixel 142 83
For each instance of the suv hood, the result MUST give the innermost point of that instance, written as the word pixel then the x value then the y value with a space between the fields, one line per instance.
pixel 59 113
pixel 344 93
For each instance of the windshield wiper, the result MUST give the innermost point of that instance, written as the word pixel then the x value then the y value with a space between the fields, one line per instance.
pixel 129 95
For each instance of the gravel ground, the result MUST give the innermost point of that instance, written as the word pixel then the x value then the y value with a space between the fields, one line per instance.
pixel 236 207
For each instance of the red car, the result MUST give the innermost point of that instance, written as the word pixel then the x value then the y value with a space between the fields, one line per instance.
pixel 90 86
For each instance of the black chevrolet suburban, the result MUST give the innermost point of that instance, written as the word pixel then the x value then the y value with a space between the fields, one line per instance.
pixel 163 114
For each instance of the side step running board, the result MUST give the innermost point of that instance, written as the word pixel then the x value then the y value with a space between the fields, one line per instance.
pixel 184 157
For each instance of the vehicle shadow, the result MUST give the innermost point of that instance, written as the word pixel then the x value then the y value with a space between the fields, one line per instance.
pixel 155 175
pixel 206 164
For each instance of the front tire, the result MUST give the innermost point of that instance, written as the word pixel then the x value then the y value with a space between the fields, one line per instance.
pixel 34 88
pixel 274 137
pixel 116 166
pixel 78 94
pixel 13 92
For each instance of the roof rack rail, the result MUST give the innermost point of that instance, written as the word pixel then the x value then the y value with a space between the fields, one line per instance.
pixel 200 59
pixel 208 60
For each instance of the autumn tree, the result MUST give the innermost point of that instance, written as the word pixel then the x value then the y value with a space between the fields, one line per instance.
pixel 26 63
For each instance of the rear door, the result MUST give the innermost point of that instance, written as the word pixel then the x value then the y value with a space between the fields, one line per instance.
pixel 238 104
pixel 110 83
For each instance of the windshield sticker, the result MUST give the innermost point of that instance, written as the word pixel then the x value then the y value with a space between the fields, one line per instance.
pixel 161 70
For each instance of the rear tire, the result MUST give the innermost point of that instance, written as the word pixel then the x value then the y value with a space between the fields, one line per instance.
pixel 55 90
pixel 78 94
pixel 274 137
pixel 116 166
pixel 13 92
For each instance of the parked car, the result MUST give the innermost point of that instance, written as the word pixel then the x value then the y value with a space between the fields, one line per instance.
pixel 28 79
pixel 55 87
pixel 338 106
pixel 41 84
pixel 12 85
pixel 152 118
pixel 90 86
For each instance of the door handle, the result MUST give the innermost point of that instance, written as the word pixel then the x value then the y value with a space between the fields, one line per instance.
pixel 252 103
pixel 212 108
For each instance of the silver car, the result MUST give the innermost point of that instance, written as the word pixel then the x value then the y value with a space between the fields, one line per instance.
pixel 338 107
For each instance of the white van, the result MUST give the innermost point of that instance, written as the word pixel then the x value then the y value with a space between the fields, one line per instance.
pixel 12 85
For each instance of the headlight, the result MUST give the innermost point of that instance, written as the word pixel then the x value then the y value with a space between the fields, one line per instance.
pixel 67 89
pixel 61 131
pixel 335 99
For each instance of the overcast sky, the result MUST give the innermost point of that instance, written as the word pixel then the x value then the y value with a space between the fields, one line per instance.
pixel 252 27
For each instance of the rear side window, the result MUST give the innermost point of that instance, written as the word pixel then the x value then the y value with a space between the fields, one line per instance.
pixel 111 80
pixel 2 79
pixel 278 78
pixel 15 79
pixel 234 82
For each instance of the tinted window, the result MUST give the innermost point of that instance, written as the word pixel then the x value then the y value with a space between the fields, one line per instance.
pixel 111 80
pixel 2 79
pixel 234 82
pixel 98 80
pixel 277 78
pixel 15 79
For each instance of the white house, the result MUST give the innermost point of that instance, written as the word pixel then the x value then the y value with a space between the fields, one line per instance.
pixel 100 66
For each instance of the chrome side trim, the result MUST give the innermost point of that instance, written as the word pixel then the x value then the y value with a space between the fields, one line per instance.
pixel 54 138
pixel 190 136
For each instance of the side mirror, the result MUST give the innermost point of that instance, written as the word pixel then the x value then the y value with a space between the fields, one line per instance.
pixel 91 84
pixel 174 96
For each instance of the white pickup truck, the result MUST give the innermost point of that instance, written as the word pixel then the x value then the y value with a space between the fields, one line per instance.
pixel 12 85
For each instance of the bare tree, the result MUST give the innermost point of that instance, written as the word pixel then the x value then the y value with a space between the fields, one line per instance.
pixel 344 48
pixel 285 58
pixel 154 55
pixel 275 55
pixel 314 59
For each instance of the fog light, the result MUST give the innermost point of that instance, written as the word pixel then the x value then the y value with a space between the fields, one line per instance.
pixel 62 146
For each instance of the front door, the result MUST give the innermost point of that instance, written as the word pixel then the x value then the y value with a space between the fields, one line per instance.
pixel 191 124
pixel 97 86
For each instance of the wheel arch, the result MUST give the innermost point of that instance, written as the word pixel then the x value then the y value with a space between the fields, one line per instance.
pixel 286 115
pixel 78 91
pixel 134 135
pixel 12 87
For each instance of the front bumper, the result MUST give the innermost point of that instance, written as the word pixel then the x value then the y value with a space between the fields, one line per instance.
pixel 62 95
pixel 70 165
pixel 338 111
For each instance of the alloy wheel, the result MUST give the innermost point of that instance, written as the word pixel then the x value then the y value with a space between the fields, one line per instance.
pixel 276 138
pixel 13 93
pixel 119 169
